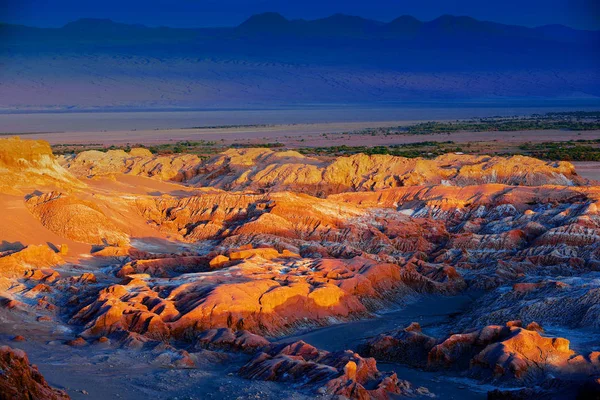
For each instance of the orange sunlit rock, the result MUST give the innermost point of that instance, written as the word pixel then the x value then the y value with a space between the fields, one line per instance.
pixel 20 379
pixel 187 260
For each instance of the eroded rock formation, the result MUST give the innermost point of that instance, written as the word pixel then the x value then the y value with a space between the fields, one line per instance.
pixel 267 170
pixel 31 163
pixel 342 373
pixel 263 295
pixel 75 219
pixel 14 264
pixel 260 244
pixel 21 380
pixel 508 353
pixel 138 161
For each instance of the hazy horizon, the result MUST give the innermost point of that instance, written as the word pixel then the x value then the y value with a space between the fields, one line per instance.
pixel 579 14
pixel 208 25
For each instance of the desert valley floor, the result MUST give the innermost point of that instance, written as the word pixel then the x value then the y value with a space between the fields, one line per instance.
pixel 265 274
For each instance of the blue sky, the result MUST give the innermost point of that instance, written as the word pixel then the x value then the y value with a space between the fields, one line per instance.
pixel 583 14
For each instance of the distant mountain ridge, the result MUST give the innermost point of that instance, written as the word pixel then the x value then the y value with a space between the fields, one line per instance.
pixel 359 59
pixel 337 24
pixel 406 23
pixel 338 39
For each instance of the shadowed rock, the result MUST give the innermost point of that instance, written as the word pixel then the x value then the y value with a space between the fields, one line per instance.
pixel 21 380
pixel 507 353
pixel 342 373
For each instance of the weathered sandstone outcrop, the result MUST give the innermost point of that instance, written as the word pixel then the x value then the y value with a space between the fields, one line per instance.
pixel 27 164
pixel 165 266
pixel 408 346
pixel 569 302
pixel 14 264
pixel 343 373
pixel 259 295
pixel 263 169
pixel 270 243
pixel 76 219
pixel 510 353
pixel 267 170
pixel 230 340
pixel 139 162
pixel 292 221
pixel 21 380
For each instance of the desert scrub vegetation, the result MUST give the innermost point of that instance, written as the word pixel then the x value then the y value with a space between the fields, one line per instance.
pixel 502 125
pixel 426 149
pixel 201 148
pixel 573 150
pixel 571 121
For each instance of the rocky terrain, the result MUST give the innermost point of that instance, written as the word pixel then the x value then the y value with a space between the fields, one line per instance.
pixel 20 379
pixel 262 170
pixel 202 274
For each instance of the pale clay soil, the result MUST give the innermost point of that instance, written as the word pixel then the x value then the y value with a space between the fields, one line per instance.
pixel 292 135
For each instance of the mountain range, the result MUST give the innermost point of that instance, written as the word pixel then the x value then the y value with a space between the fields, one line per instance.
pixel 269 59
